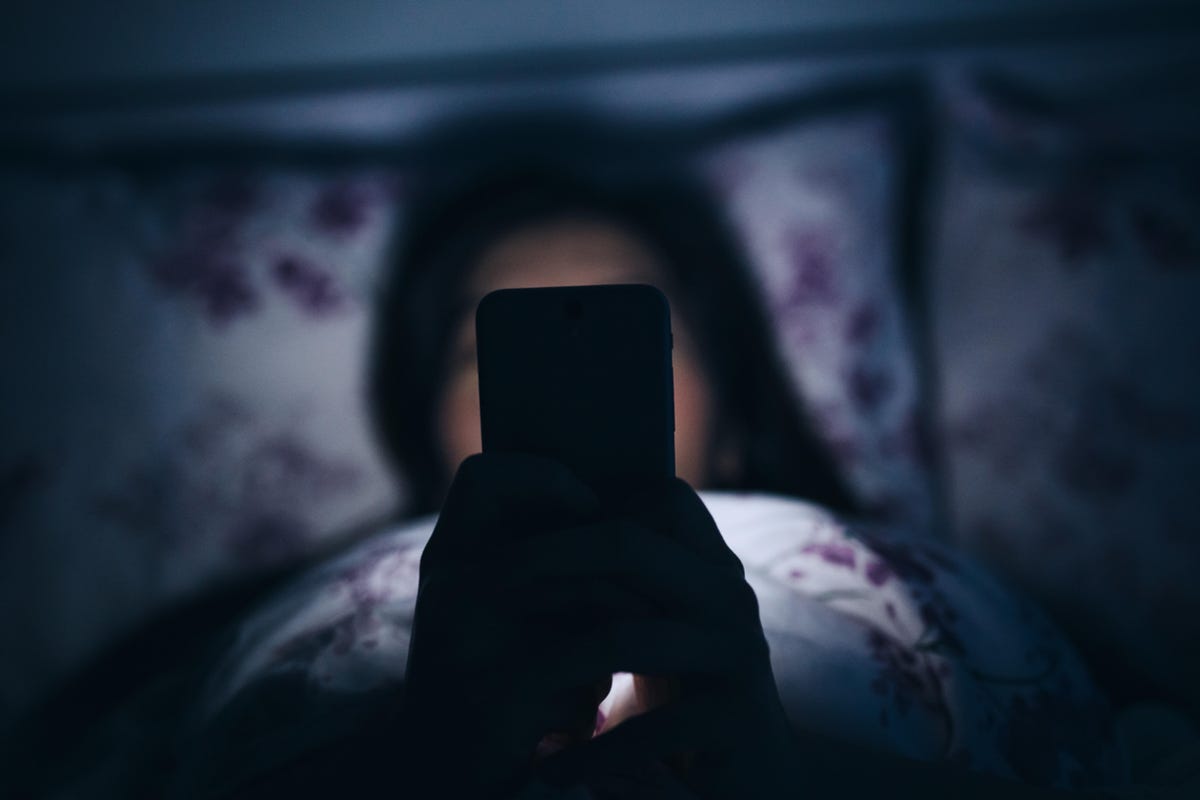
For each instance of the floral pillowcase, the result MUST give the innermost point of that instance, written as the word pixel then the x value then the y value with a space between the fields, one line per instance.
pixel 1066 285
pixel 814 206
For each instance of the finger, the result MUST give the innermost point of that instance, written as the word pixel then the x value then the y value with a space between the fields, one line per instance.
pixel 678 513
pixel 562 606
pixel 459 601
pixel 501 628
pixel 670 577
pixel 574 710
pixel 496 497
pixel 653 647
pixel 703 723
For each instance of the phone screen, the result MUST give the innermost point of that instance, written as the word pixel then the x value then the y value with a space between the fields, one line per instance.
pixel 581 374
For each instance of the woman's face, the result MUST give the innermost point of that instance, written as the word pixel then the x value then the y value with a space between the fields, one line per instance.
pixel 571 254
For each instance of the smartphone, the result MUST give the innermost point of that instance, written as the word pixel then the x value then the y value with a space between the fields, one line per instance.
pixel 581 374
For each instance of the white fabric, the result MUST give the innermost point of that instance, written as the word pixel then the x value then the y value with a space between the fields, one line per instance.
pixel 884 640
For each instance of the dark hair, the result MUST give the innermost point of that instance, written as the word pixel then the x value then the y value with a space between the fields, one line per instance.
pixel 455 220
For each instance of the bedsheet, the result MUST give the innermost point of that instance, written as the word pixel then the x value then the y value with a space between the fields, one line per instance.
pixel 878 637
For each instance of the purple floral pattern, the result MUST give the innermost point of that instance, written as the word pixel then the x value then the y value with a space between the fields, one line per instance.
pixel 190 407
pixel 239 239
pixel 224 478
pixel 1065 296
pixel 813 206
pixel 310 287
pixel 932 657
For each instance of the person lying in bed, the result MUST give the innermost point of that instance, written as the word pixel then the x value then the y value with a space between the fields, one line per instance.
pixel 488 671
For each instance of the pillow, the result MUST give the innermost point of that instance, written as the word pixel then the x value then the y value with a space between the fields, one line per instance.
pixel 190 350
pixel 815 207
pixel 883 639
pixel 1065 289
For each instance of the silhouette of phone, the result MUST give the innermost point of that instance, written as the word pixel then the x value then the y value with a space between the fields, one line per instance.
pixel 581 374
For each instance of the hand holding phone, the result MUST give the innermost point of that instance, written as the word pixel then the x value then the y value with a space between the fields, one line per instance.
pixel 540 580
pixel 520 615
